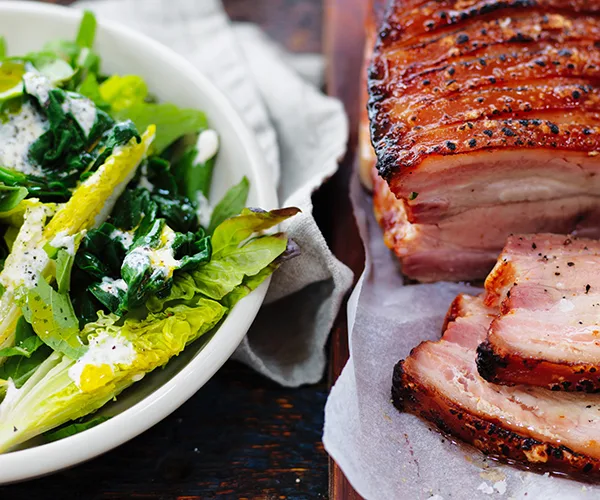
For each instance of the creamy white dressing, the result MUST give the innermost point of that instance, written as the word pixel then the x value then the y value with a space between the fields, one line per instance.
pixel 103 349
pixel 27 259
pixel 207 146
pixel 63 240
pixel 37 85
pixel 25 270
pixel 109 285
pixel 125 237
pixel 144 182
pixel 17 135
pixel 162 258
pixel 204 210
pixel 82 109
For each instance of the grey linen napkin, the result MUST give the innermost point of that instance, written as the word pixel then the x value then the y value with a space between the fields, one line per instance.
pixel 302 133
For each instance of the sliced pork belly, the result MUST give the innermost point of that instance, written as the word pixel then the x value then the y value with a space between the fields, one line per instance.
pixel 439 382
pixel 548 332
pixel 481 105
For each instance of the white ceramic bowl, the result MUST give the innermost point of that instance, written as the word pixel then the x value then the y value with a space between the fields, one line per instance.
pixel 27 26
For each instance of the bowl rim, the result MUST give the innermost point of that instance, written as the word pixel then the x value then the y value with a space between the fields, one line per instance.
pixel 51 457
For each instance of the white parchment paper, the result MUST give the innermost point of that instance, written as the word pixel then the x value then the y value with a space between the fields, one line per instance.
pixel 388 455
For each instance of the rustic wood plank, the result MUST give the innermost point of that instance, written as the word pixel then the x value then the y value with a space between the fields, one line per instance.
pixel 344 41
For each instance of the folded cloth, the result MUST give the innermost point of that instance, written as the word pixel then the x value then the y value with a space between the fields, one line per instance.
pixel 302 134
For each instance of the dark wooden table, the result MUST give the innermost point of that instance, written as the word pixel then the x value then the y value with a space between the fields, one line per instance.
pixel 241 436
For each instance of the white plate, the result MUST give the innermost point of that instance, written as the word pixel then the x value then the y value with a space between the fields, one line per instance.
pixel 27 26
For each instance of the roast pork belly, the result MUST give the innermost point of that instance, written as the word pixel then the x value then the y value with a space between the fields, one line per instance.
pixel 453 248
pixel 439 382
pixel 548 331
pixel 484 109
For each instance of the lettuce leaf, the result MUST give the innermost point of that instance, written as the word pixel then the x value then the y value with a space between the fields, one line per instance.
pixel 77 53
pixel 62 389
pixel 53 319
pixel 223 273
pixel 24 358
pixel 236 256
pixel 237 260
pixel 90 88
pixel 3 51
pixel 171 121
pixel 234 231
pixel 122 92
pixel 87 30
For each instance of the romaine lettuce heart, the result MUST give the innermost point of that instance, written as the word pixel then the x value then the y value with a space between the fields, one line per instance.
pixel 62 389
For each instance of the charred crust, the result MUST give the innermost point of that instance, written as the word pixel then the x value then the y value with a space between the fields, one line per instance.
pixel 513 369
pixel 488 362
pixel 454 311
pixel 395 153
pixel 400 394
pixel 489 436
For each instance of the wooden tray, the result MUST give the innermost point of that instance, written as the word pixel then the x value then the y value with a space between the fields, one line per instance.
pixel 344 40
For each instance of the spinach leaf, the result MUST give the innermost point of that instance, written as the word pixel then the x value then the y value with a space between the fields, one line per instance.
pixel 11 196
pixel 20 368
pixel 132 207
pixel 64 136
pixel 178 211
pixel 60 177
pixel 85 304
pixel 194 177
pixel 105 246
pixel 92 265
pixel 26 341
pixel 192 249
pixel 231 205
pixel 74 428
pixel 111 295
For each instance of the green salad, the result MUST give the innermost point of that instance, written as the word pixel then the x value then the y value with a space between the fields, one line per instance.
pixel 112 260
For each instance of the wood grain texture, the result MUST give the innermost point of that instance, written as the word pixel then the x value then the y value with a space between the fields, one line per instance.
pixel 344 41
pixel 241 436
